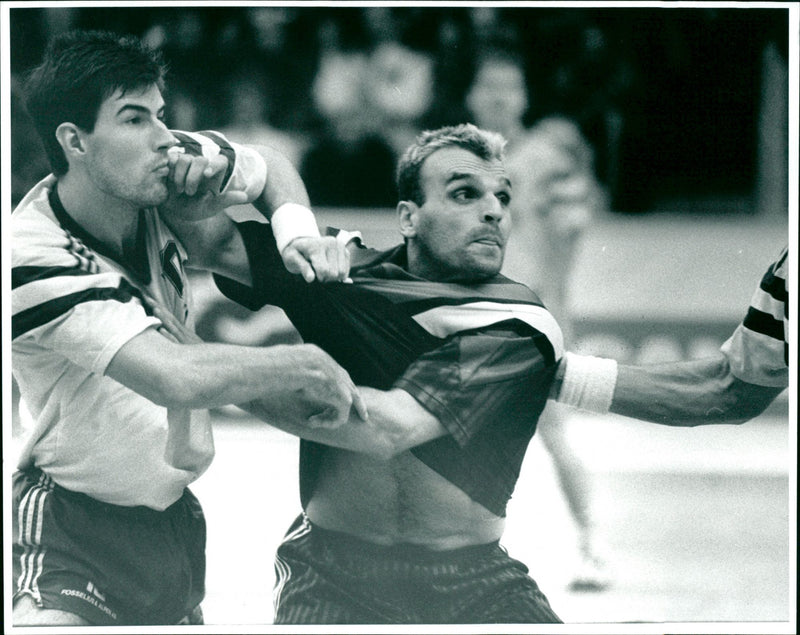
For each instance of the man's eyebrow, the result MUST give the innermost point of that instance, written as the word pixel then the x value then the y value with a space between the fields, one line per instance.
pixel 138 108
pixel 459 176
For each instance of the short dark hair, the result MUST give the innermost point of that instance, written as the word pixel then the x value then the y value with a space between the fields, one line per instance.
pixel 489 146
pixel 79 71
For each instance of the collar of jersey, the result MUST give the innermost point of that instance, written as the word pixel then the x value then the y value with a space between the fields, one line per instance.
pixel 134 259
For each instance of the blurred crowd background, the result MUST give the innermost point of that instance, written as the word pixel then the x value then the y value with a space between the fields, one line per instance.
pixel 677 104
pixel 684 116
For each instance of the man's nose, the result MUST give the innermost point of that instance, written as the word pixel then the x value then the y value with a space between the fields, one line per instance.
pixel 164 138
pixel 494 211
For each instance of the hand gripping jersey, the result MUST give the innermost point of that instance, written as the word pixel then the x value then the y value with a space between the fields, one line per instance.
pixel 73 307
pixel 758 350
pixel 479 357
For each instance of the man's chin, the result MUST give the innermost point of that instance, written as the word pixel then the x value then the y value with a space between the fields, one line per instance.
pixel 158 196
pixel 480 272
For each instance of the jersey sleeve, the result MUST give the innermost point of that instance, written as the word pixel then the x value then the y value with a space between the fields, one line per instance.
pixel 480 377
pixel 247 170
pixel 758 351
pixel 61 302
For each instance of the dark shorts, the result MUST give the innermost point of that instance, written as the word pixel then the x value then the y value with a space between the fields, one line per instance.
pixel 326 577
pixel 111 565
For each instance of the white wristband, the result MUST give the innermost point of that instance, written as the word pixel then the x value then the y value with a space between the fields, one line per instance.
pixel 290 221
pixel 588 382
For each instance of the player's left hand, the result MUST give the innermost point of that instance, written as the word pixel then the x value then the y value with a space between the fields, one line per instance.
pixel 322 258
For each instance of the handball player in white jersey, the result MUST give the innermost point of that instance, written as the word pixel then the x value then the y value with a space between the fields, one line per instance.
pixel 106 531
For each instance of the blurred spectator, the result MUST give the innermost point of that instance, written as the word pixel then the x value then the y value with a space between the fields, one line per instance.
pixel 182 36
pixel 555 197
pixel 279 45
pixel 246 111
pixel 591 80
pixel 399 89
pixel 350 163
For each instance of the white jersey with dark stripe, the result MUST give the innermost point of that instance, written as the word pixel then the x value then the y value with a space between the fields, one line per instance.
pixel 73 308
pixel 758 350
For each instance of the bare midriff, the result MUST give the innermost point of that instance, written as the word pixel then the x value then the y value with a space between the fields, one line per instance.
pixel 397 501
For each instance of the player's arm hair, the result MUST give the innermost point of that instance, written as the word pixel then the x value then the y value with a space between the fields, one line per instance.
pixel 209 375
pixel 397 422
pixel 689 393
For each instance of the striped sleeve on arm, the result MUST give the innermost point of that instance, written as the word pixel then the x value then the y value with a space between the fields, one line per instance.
pixel 64 301
pixel 247 170
pixel 758 351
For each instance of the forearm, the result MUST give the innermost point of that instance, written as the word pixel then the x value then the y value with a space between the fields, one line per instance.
pixel 397 422
pixel 283 184
pixel 208 375
pixel 688 393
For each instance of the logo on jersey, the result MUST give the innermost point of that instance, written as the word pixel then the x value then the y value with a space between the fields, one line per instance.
pixel 91 588
pixel 171 266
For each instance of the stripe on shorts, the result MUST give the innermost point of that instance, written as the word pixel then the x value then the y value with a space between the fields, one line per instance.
pixel 283 571
pixel 31 512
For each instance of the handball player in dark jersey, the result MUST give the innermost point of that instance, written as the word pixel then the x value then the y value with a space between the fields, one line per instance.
pixel 403 514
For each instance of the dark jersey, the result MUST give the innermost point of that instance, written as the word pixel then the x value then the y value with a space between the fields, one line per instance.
pixel 479 357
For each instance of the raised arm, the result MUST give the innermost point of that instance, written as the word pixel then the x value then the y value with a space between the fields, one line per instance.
pixel 202 187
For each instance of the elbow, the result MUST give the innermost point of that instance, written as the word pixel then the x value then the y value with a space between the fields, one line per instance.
pixel 178 388
pixel 742 403
pixel 170 393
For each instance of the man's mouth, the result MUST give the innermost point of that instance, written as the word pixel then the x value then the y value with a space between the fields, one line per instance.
pixel 489 240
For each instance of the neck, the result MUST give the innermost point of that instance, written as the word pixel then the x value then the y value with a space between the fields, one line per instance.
pixel 110 220
pixel 425 269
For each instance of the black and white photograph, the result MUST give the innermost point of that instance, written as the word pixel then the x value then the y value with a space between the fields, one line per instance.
pixel 394 317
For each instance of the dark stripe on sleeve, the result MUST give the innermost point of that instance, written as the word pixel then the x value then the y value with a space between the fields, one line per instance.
pixel 226 149
pixel 45 312
pixel 21 276
pixel 764 323
pixel 195 148
pixel 774 286
pixel 191 145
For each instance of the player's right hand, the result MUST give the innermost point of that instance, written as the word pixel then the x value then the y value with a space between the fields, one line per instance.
pixel 322 258
pixel 195 187
pixel 325 389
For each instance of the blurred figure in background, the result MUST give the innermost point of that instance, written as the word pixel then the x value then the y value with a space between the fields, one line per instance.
pixel 247 109
pixel 399 83
pixel 556 196
pixel 350 163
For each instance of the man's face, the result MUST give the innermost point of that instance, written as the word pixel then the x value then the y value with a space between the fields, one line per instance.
pixel 460 232
pixel 126 153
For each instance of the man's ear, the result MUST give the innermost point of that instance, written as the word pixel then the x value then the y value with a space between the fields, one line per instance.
pixel 407 214
pixel 70 139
